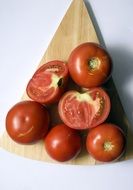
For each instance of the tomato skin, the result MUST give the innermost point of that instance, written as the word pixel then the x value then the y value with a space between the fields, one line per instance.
pixel 84 110
pixel 106 142
pixel 89 65
pixel 48 82
pixel 62 143
pixel 27 122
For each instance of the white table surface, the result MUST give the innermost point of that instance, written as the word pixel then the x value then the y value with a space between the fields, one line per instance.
pixel 26 28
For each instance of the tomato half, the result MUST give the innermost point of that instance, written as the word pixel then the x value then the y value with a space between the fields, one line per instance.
pixel 89 65
pixel 27 121
pixel 106 142
pixel 63 143
pixel 84 110
pixel 48 83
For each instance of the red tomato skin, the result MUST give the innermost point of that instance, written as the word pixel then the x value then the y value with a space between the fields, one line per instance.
pixel 27 122
pixel 79 68
pixel 63 143
pixel 52 95
pixel 75 110
pixel 106 133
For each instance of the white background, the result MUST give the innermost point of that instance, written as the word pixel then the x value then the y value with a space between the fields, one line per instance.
pixel 26 28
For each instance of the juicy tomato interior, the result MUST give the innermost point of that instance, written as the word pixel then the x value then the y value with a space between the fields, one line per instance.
pixel 57 67
pixel 46 85
pixel 37 84
pixel 82 111
pixel 102 112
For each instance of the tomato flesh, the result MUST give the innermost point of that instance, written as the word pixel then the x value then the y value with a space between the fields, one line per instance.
pixel 105 142
pixel 48 82
pixel 84 110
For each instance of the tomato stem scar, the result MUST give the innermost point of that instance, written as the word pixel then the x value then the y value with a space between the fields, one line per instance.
pixel 94 63
pixel 108 146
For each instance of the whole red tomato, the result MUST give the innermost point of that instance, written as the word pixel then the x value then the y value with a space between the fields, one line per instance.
pixel 105 142
pixel 89 65
pixel 84 110
pixel 48 83
pixel 27 121
pixel 62 143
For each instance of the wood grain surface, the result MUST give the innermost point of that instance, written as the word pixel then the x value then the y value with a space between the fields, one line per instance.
pixel 75 28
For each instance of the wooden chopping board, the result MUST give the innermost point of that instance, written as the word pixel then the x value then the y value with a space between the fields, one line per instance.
pixel 75 28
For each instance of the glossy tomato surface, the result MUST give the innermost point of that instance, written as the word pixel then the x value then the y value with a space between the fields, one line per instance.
pixel 27 122
pixel 105 142
pixel 84 110
pixel 89 65
pixel 48 83
pixel 63 143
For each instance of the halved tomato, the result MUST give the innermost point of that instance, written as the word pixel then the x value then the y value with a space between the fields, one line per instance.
pixel 48 83
pixel 84 110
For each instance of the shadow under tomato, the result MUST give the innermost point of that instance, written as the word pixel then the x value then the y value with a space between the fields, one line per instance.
pixel 123 75
pixel 83 154
pixel 122 67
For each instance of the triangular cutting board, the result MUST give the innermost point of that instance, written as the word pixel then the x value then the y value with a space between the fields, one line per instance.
pixel 75 28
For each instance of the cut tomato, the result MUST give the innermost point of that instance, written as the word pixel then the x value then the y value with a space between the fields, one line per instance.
pixel 84 110
pixel 48 82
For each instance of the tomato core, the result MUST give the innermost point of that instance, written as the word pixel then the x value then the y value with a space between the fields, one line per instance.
pixel 55 80
pixel 60 82
pixel 94 63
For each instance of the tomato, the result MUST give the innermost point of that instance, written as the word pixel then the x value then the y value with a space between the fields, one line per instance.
pixel 27 121
pixel 84 110
pixel 105 142
pixel 63 143
pixel 48 83
pixel 89 65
